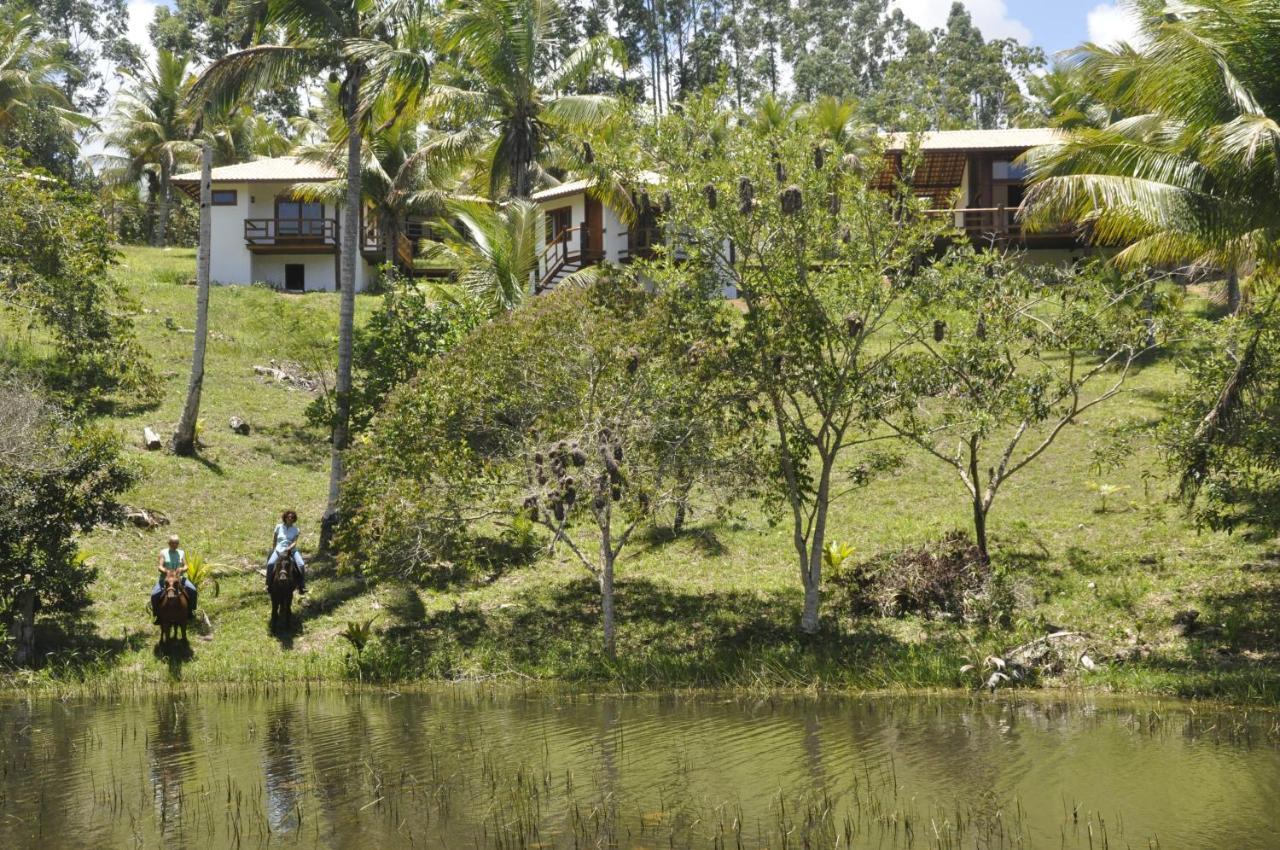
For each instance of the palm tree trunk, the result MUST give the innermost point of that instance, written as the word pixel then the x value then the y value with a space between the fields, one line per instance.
pixel 347 304
pixel 162 219
pixel 1234 299
pixel 184 441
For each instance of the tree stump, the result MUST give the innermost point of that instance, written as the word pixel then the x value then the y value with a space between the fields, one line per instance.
pixel 239 426
pixel 150 439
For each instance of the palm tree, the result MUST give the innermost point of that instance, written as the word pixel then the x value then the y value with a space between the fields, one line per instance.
pixel 1192 177
pixel 504 80
pixel 407 169
pixel 495 250
pixel 354 41
pixel 1061 98
pixel 29 74
pixel 149 133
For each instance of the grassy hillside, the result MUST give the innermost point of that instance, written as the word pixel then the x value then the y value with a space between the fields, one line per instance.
pixel 716 606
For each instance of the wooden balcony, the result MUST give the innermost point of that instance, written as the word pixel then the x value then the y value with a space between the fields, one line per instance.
pixel 992 225
pixel 291 235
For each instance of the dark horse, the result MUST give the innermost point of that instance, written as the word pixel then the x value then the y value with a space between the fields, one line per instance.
pixel 173 609
pixel 283 583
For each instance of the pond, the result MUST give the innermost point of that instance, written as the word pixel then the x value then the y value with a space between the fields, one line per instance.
pixel 479 768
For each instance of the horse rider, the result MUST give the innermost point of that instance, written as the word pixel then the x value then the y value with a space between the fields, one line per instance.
pixel 173 558
pixel 284 543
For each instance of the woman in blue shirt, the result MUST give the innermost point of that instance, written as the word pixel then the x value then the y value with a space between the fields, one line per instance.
pixel 173 558
pixel 284 541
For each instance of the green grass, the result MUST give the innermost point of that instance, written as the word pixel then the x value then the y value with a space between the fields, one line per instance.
pixel 715 607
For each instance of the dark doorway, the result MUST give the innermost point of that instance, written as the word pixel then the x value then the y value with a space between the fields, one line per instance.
pixel 295 277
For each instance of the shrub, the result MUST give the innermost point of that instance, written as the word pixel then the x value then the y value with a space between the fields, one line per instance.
pixel 947 578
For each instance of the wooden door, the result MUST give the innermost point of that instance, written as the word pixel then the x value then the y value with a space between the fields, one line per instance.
pixel 594 222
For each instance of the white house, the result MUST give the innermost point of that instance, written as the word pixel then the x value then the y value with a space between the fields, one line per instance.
pixel 261 233
pixel 970 175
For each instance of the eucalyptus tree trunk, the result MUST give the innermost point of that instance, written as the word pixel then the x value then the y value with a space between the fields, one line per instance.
pixel 184 441
pixel 162 216
pixel 347 305
pixel 607 556
pixel 811 554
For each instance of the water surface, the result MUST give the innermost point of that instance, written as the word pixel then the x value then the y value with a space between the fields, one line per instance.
pixel 468 768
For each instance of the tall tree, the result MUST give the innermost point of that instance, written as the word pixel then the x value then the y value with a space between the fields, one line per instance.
pixel 354 41
pixel 184 440
pixel 92 39
pixel 506 80
pixel 148 133
pixel 822 263
pixel 952 77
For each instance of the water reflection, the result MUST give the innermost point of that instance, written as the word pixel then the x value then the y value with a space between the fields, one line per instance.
pixel 169 759
pixel 485 768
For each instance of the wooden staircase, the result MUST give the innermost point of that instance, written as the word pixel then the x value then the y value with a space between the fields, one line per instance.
pixel 569 252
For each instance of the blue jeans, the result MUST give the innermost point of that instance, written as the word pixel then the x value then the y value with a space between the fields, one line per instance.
pixel 190 588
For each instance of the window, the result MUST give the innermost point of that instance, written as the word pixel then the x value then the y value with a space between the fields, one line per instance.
pixel 1003 169
pixel 224 198
pixel 558 221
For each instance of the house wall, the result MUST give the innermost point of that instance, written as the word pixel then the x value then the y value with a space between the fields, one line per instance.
pixel 233 263
pixel 230 261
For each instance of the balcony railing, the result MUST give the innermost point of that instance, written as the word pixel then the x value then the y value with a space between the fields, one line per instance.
pixel 294 233
pixel 1000 223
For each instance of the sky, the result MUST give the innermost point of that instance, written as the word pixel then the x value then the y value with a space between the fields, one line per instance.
pixel 1054 25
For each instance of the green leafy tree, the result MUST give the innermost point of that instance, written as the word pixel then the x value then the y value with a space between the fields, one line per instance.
pixel 92 42
pixel 1005 357
pixel 573 412
pixel 57 479
pixel 414 324
pixel 56 262
pixel 504 79
pixel 821 260
pixel 953 78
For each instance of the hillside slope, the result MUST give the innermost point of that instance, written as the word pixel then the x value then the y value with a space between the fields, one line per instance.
pixel 713 607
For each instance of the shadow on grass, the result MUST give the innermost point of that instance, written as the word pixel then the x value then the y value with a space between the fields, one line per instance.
pixel 292 444
pixel 70 647
pixel 666 637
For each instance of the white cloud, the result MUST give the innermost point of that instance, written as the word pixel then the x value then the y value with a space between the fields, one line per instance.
pixel 1110 24
pixel 990 16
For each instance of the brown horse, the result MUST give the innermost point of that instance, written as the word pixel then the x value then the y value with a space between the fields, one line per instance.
pixel 173 609
pixel 283 584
